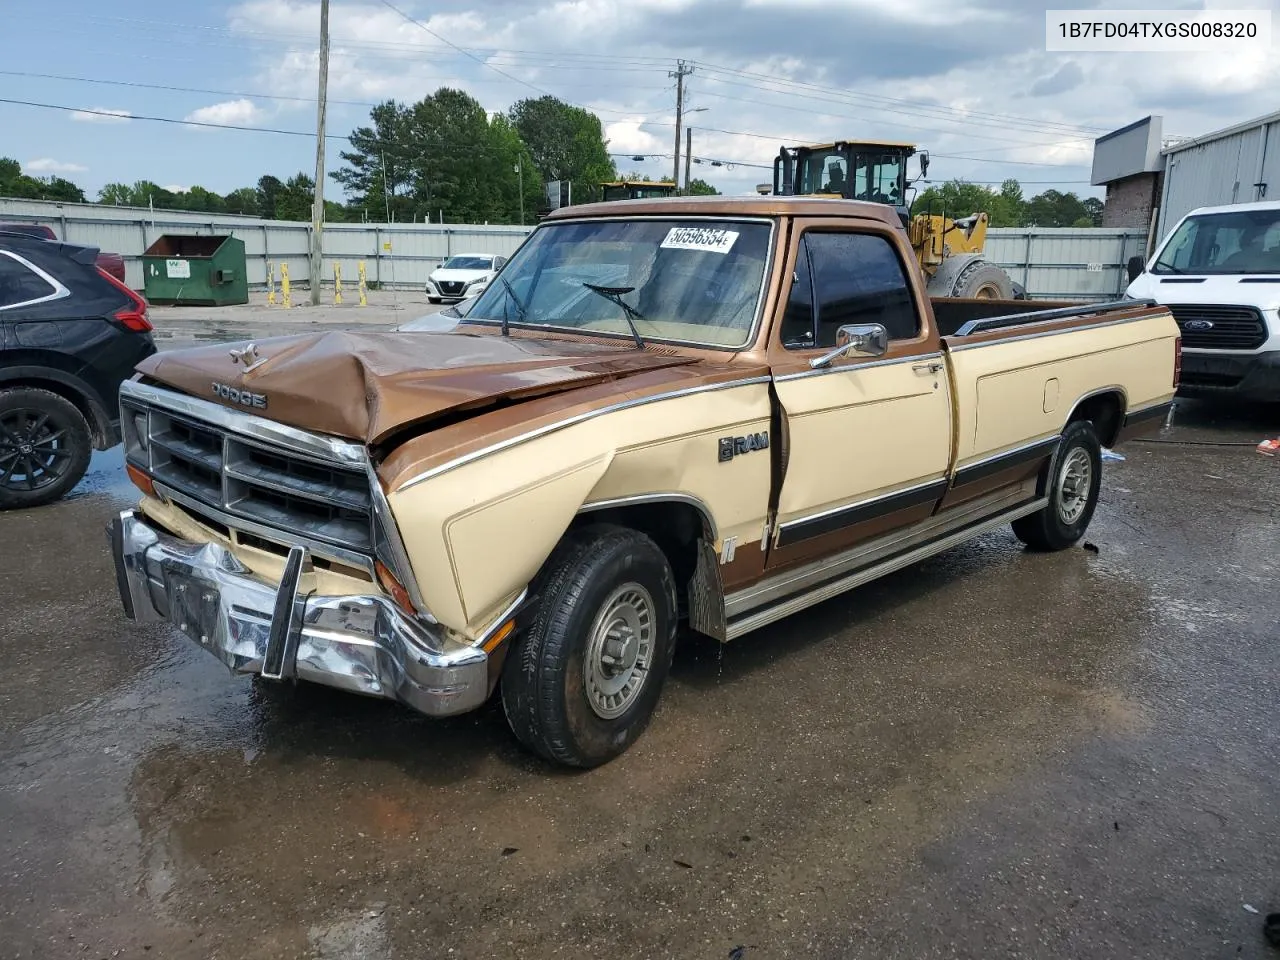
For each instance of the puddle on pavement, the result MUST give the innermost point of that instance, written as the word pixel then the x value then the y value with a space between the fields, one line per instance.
pixel 105 475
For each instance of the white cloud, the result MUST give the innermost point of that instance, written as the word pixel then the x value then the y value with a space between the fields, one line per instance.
pixel 48 165
pixel 628 136
pixel 240 112
pixel 175 188
pixel 968 80
pixel 101 115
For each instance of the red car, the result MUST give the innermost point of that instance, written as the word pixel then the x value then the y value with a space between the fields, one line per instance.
pixel 112 263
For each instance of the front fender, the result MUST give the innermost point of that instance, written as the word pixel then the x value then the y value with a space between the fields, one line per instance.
pixel 472 534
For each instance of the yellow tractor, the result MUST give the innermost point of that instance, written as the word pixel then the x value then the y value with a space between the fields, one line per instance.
pixel 949 251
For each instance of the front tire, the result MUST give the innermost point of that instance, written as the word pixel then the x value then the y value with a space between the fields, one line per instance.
pixel 983 281
pixel 1075 480
pixel 44 447
pixel 433 299
pixel 584 679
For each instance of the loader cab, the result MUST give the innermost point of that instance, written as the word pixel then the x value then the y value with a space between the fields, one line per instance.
pixel 637 190
pixel 870 170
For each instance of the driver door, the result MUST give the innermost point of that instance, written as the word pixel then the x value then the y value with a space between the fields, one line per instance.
pixel 867 438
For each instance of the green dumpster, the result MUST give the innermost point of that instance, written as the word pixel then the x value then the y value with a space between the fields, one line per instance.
pixel 195 270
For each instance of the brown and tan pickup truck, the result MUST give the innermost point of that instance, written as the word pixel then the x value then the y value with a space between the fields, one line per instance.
pixel 711 413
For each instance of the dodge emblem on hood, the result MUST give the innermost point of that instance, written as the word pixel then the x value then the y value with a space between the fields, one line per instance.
pixel 248 356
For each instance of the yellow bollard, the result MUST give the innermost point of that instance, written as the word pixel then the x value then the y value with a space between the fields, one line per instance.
pixel 337 282
pixel 271 283
pixel 364 300
pixel 284 286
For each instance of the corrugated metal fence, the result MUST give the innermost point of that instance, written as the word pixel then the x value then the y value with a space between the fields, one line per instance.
pixel 400 254
pixel 1052 263
pixel 1066 263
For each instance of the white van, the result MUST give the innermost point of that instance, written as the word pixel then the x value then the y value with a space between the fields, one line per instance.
pixel 1219 275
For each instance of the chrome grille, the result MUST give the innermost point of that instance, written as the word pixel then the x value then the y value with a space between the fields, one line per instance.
pixel 1219 327
pixel 301 495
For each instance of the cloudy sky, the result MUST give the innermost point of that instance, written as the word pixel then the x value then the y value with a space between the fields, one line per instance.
pixel 967 79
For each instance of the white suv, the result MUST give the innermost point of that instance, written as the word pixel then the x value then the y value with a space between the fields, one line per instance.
pixel 1219 275
pixel 462 276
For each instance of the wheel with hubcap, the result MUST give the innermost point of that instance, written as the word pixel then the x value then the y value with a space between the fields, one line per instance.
pixel 44 447
pixel 1075 480
pixel 585 675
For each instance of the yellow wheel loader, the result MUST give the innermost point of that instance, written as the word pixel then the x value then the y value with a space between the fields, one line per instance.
pixel 949 251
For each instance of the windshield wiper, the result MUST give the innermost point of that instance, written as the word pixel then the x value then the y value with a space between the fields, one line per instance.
pixel 614 295
pixel 521 310
pixel 1166 268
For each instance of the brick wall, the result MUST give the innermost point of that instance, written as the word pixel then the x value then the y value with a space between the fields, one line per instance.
pixel 1130 201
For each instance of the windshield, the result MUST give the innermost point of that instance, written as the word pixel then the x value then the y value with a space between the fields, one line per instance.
pixel 694 281
pixel 467 263
pixel 1247 241
pixel 879 178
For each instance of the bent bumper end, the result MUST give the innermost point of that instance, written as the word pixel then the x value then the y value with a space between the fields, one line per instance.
pixel 360 643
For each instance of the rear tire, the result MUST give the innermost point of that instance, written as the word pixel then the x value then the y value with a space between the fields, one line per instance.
pixel 583 680
pixel 1075 479
pixel 45 446
pixel 983 281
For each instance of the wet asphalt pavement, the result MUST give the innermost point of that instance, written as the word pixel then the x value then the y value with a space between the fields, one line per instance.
pixel 992 754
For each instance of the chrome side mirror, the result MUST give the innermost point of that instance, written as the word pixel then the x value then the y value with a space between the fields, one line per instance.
pixel 856 339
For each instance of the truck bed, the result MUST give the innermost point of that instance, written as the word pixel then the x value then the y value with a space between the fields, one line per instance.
pixel 954 313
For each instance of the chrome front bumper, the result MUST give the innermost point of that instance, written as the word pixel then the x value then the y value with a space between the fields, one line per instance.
pixel 363 644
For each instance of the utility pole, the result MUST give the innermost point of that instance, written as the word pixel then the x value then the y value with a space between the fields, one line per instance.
pixel 317 206
pixel 688 155
pixel 520 178
pixel 680 73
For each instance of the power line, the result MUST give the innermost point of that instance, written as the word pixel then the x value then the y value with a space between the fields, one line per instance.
pixel 913 104
pixel 164 86
pixel 257 95
pixel 347 138
pixel 484 63
pixel 646 64
pixel 830 113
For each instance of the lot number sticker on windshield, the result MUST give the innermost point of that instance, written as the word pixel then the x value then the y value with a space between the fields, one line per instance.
pixel 707 239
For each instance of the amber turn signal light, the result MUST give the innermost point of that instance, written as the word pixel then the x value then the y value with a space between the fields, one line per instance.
pixel 140 480
pixel 393 586
pixel 502 633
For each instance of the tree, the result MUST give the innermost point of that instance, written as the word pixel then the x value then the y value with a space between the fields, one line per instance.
pixel 1009 208
pixel 198 198
pixel 956 198
pixel 566 142
pixel 700 188
pixel 1056 209
pixel 244 200
pixel 295 198
pixel 117 194
pixel 15 183
pixel 1094 208
pixel 269 189
pixel 379 165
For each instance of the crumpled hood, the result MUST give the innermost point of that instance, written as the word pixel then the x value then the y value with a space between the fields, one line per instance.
pixel 365 386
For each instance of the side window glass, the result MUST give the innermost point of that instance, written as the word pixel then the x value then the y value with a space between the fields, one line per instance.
pixel 858 278
pixel 18 284
pixel 797 321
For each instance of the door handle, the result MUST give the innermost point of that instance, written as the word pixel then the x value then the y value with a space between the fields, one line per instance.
pixel 934 367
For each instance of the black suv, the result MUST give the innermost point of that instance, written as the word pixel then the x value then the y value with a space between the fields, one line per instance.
pixel 69 334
